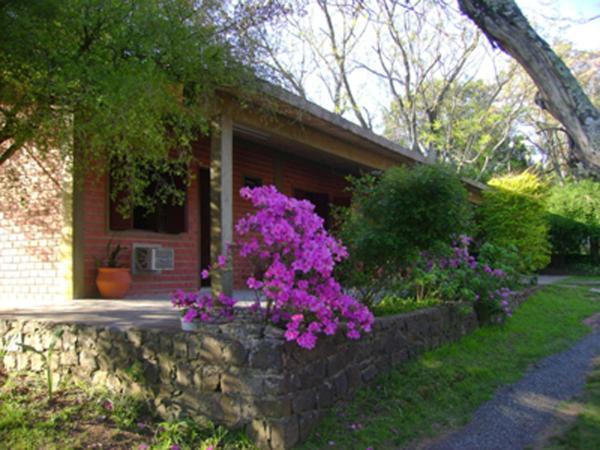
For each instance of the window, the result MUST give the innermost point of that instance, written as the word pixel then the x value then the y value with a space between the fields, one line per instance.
pixel 321 202
pixel 252 182
pixel 166 217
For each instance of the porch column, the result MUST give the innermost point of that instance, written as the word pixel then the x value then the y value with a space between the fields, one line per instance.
pixel 221 198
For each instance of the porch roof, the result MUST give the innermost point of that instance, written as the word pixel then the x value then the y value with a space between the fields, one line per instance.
pixel 309 114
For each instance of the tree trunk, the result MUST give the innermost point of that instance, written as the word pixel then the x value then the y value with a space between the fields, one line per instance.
pixel 559 92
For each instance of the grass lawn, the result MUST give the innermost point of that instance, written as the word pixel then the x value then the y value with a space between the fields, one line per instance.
pixel 584 433
pixel 441 389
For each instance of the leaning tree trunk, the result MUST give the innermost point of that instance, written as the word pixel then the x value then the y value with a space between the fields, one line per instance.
pixel 559 92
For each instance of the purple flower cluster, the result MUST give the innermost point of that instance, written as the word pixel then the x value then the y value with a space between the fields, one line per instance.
pixel 294 258
pixel 504 295
pixel 195 306
pixel 486 284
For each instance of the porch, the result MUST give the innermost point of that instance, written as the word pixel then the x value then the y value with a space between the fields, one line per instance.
pixel 147 312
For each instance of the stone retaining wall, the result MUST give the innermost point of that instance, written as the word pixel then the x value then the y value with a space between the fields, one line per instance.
pixel 240 374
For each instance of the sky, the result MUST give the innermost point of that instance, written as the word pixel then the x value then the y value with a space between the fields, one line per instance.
pixel 585 36
pixel 573 24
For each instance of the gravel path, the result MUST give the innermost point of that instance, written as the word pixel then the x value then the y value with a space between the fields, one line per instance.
pixel 544 280
pixel 521 413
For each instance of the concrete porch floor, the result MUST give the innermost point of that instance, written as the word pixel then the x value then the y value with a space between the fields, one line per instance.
pixel 154 313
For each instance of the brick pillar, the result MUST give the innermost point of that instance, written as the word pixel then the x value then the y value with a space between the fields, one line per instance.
pixel 221 198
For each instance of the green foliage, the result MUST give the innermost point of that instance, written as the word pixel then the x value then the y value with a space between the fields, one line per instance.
pixel 567 236
pixel 397 214
pixel 395 304
pixel 135 373
pixel 112 255
pixel 457 276
pixel 575 217
pixel 123 80
pixel 513 214
pixel 125 411
pixel 578 201
pixel 441 389
pixel 469 129
pixel 47 359
pixel 585 269
pixel 188 434
pixel 507 259
pixel 81 416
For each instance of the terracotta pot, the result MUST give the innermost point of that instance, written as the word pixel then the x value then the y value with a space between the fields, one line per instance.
pixel 113 282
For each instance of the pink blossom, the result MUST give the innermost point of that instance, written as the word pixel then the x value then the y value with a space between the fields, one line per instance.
pixel 203 307
pixel 294 258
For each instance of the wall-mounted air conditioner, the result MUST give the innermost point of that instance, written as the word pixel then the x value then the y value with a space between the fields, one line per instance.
pixel 152 258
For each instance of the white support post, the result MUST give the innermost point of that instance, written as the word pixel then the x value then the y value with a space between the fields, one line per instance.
pixel 221 183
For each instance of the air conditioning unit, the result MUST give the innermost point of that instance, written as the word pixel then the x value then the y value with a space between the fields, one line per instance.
pixel 152 258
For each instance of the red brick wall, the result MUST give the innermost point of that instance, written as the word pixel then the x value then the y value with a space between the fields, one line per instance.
pixel 249 159
pixel 35 259
pixel 35 240
pixel 186 245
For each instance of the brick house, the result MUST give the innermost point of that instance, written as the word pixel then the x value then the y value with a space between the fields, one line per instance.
pixel 48 248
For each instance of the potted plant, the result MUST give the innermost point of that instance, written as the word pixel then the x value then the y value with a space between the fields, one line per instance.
pixel 196 308
pixel 113 280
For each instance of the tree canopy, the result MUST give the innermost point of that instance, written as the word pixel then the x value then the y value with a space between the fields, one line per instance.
pixel 124 80
pixel 560 93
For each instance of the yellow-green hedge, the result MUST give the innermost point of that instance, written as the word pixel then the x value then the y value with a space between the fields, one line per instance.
pixel 513 213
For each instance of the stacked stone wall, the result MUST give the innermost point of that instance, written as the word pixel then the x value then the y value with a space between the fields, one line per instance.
pixel 240 374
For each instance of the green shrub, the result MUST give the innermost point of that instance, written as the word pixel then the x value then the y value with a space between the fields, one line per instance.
pixel 396 215
pixel 394 304
pixel 506 259
pixel 567 236
pixel 513 214
pixel 458 276
pixel 575 217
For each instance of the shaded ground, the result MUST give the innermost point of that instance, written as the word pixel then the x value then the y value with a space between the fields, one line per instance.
pixel 79 418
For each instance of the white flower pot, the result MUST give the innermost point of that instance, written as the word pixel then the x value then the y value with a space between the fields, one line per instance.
pixel 189 326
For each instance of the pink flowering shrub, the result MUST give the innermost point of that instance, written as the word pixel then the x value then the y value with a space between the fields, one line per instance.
pixel 489 280
pixel 195 306
pixel 293 259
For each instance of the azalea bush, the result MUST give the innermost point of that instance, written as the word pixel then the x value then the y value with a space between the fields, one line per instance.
pixel 293 259
pixel 457 275
pixel 204 307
